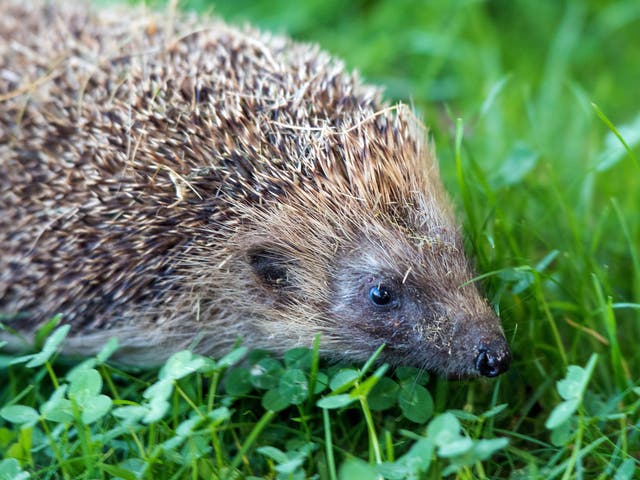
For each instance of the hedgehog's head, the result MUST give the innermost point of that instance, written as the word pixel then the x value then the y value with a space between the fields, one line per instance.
pixel 365 251
pixel 408 290
pixel 383 263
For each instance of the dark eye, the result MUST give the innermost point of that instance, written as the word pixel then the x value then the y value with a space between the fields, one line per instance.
pixel 381 295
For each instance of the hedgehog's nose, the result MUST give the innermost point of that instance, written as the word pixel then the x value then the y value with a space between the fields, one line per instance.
pixel 493 360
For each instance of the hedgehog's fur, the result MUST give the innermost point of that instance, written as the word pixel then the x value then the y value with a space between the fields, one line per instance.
pixel 177 182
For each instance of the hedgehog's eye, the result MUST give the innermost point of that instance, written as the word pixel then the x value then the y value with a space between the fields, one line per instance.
pixel 381 296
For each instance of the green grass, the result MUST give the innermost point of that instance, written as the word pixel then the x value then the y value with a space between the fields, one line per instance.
pixel 535 111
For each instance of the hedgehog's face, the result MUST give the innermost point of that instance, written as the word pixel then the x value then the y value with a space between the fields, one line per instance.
pixel 412 295
pixel 415 302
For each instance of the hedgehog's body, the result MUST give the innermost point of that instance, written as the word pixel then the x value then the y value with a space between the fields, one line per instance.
pixel 174 185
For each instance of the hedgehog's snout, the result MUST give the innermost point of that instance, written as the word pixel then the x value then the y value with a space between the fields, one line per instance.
pixel 481 344
pixel 493 358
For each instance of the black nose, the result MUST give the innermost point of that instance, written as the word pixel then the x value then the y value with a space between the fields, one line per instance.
pixel 492 362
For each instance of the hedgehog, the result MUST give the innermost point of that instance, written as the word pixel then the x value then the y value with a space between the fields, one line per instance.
pixel 176 182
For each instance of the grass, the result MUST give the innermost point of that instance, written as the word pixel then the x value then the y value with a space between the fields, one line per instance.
pixel 533 107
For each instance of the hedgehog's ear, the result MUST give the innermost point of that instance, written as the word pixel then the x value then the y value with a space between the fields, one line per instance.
pixel 271 267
